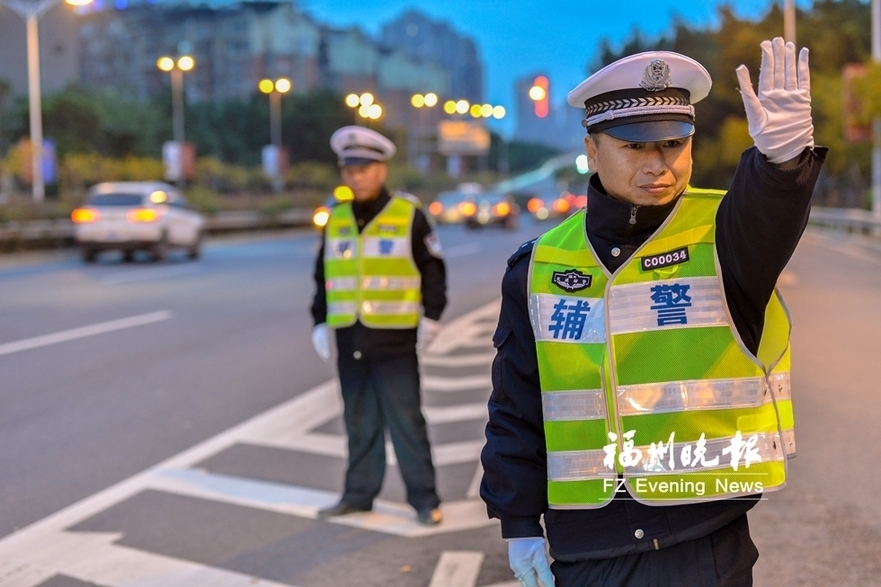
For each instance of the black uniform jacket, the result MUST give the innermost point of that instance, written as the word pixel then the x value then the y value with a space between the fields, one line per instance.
pixel 373 342
pixel 759 223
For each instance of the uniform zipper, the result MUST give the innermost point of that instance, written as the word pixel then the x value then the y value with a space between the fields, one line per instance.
pixel 631 223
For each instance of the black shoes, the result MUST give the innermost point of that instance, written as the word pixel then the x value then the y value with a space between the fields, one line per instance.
pixel 340 509
pixel 429 516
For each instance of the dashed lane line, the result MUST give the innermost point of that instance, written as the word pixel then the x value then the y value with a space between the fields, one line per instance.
pixel 148 274
pixel 33 554
pixel 84 332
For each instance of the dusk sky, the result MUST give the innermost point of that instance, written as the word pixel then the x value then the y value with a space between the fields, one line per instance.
pixel 521 37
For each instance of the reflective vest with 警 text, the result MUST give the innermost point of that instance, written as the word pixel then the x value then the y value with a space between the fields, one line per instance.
pixel 645 381
pixel 371 277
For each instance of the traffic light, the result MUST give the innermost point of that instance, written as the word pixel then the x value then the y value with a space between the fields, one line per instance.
pixel 539 93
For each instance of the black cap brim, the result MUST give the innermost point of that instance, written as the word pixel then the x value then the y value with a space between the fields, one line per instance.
pixel 357 161
pixel 650 131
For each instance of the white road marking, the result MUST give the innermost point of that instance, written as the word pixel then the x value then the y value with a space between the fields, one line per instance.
pixel 457 568
pixel 435 383
pixel 83 332
pixel 147 274
pixel 474 487
pixel 463 361
pixel 458 413
pixel 92 557
pixel 43 549
pixel 850 248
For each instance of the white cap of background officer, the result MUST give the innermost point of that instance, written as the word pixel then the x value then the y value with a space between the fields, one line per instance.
pixel 643 98
pixel 356 145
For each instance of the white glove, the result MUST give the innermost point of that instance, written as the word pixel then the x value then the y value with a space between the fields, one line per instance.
pixel 780 116
pixel 321 342
pixel 428 331
pixel 528 559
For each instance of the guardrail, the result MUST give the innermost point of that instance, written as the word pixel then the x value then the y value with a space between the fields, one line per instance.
pixel 55 231
pixel 61 230
pixel 848 220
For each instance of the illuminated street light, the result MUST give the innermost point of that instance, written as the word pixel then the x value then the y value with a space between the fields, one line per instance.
pixel 177 69
pixel 31 11
pixel 431 99
pixel 352 100
pixel 499 112
pixel 366 99
pixel 417 100
pixel 374 111
pixel 450 107
pixel 462 106
pixel 275 89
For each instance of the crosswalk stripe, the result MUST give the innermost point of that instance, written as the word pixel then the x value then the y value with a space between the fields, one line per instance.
pixel 457 568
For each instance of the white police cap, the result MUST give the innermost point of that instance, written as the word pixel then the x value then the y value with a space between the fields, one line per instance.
pixel 644 97
pixel 356 145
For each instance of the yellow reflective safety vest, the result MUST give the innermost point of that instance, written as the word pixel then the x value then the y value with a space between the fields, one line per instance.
pixel 646 385
pixel 372 276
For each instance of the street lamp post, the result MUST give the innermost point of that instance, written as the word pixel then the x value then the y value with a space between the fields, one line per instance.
pixel 364 106
pixel 789 20
pixel 31 11
pixel 177 69
pixel 876 122
pixel 275 89
pixel 419 130
pixel 275 159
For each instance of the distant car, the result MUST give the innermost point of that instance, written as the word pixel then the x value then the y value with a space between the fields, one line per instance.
pixel 452 207
pixel 493 209
pixel 554 205
pixel 129 216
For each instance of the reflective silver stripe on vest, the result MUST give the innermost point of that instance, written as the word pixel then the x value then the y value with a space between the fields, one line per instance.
pixel 669 303
pixel 577 465
pixel 339 248
pixel 393 283
pixel 389 308
pixel 560 406
pixel 708 394
pixel 789 443
pixel 341 308
pixel 372 246
pixel 340 284
pixel 767 449
pixel 568 319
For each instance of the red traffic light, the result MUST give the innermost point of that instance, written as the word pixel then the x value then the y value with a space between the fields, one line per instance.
pixel 540 94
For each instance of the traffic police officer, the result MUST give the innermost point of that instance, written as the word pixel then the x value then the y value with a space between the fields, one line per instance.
pixel 640 389
pixel 381 286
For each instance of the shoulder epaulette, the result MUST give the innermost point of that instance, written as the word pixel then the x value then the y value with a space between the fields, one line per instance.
pixel 525 249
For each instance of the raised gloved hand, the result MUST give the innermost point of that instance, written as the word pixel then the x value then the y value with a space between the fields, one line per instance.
pixel 428 331
pixel 780 116
pixel 528 559
pixel 321 341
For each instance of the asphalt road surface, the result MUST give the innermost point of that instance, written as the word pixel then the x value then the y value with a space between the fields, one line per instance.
pixel 169 425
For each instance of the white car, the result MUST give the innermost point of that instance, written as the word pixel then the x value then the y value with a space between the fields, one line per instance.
pixel 129 216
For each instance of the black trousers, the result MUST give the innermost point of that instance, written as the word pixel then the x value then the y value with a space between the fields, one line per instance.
pixel 724 558
pixel 382 394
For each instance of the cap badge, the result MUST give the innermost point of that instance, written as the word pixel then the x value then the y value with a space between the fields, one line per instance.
pixel 656 76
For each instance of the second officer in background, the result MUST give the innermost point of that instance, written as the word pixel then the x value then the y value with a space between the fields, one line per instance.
pixel 381 286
